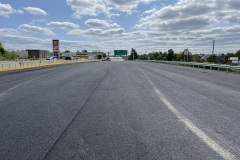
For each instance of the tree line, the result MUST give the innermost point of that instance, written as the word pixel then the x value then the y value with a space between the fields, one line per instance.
pixel 170 55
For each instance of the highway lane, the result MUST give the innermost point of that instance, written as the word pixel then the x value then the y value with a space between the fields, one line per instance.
pixel 120 110
pixel 35 110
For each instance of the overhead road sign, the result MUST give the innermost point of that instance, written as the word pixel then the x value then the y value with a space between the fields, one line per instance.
pixel 120 52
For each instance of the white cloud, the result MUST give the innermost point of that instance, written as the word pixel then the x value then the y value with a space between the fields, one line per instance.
pixel 35 11
pixel 100 23
pixel 40 20
pixel 150 11
pixel 63 25
pixel 126 5
pixel 9 31
pixel 75 32
pixel 115 31
pixel 100 32
pixel 19 11
pixel 97 32
pixel 22 42
pixel 192 14
pixel 88 7
pixel 6 10
pixel 37 21
pixel 106 7
pixel 36 29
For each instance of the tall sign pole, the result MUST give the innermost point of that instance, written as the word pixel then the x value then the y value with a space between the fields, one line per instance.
pixel 186 52
pixel 55 43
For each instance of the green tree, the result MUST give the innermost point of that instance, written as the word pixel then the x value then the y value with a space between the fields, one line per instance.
pixel 164 56
pixel 133 51
pixel 13 56
pixel 196 58
pixel 180 56
pixel 212 58
pixel 2 50
pixel 99 56
pixel 170 55
pixel 155 56
pixel 143 57
pixel 238 54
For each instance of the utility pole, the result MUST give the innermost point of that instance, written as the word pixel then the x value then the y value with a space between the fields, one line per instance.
pixel 133 54
pixel 213 49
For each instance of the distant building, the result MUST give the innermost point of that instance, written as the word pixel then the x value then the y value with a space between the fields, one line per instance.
pixel 21 54
pixel 83 54
pixel 95 54
pixel 234 59
pixel 36 53
pixel 68 54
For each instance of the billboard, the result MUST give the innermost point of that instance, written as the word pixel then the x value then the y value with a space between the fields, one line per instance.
pixel 55 54
pixel 55 45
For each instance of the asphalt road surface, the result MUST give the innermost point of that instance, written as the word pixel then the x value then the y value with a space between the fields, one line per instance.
pixel 119 110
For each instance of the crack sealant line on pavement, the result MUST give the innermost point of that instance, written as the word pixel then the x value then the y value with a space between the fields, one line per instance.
pixel 74 117
pixel 224 153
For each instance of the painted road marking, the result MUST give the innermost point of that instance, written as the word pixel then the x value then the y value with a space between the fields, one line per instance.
pixel 224 153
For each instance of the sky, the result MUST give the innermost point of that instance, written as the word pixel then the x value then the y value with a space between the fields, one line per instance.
pixel 108 25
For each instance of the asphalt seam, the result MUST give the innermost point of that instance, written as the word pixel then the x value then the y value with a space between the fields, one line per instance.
pixel 74 117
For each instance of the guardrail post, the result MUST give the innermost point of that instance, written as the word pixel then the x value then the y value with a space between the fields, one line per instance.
pixel 2 66
pixel 9 66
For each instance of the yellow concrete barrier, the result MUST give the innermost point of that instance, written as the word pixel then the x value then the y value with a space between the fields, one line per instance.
pixel 40 64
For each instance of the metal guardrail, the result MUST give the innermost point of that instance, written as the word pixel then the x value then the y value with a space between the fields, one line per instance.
pixel 199 65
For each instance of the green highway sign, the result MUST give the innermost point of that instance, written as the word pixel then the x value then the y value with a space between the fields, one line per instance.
pixel 120 52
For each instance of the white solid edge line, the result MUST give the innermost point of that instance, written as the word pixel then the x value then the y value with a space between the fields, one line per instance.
pixel 224 153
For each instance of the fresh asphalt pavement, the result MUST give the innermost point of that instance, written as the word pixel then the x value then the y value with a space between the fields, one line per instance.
pixel 119 110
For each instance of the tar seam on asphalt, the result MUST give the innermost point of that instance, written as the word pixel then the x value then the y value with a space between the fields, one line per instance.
pixel 74 117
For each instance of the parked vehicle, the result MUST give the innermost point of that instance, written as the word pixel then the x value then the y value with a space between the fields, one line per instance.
pixel 106 59
pixel 50 58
